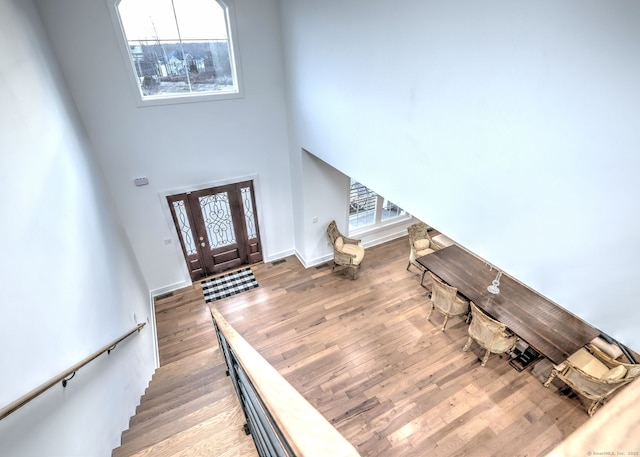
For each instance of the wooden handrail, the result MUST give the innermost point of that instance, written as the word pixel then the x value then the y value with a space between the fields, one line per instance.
pixel 307 431
pixel 26 398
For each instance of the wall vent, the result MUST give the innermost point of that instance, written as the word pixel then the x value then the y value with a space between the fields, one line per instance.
pixel 160 297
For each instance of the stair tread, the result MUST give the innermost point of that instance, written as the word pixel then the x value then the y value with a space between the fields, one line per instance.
pixel 184 349
pixel 158 387
pixel 201 360
pixel 190 407
pixel 164 426
pixel 173 403
pixel 204 435
pixel 179 411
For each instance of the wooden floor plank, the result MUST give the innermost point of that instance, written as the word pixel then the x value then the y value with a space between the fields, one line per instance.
pixel 363 353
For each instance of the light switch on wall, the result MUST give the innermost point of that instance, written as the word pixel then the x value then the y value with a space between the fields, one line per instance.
pixel 143 181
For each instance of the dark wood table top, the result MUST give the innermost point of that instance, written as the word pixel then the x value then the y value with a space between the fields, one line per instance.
pixel 546 326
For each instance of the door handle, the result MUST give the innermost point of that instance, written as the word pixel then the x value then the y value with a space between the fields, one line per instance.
pixel 203 244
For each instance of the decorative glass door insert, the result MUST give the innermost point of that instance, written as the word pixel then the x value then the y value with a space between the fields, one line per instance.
pixel 218 219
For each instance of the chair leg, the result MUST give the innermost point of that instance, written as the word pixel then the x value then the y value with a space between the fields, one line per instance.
pixel 444 324
pixel 552 375
pixel 430 311
pixel 408 266
pixel 485 358
pixel 468 345
pixel 593 407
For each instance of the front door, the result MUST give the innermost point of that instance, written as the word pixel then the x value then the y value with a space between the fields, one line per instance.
pixel 218 228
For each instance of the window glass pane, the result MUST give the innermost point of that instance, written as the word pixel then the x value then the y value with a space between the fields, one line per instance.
pixel 178 47
pixel 200 20
pixel 390 210
pixel 148 20
pixel 249 219
pixel 362 205
pixel 185 227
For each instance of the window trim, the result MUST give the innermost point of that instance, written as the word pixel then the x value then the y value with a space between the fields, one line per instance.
pixel 234 58
pixel 382 225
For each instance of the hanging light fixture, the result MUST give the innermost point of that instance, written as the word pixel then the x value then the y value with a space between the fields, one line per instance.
pixel 494 288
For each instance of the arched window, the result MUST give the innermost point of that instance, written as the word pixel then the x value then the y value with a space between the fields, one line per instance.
pixel 179 48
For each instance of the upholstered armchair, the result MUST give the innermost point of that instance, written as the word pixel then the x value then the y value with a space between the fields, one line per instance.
pixel 446 300
pixel 421 244
pixel 491 335
pixel 347 252
pixel 594 374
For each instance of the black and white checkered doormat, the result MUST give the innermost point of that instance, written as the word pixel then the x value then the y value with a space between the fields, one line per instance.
pixel 229 284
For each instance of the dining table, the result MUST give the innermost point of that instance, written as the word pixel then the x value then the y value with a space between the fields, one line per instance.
pixel 544 325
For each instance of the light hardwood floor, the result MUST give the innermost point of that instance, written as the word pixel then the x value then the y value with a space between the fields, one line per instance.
pixel 190 408
pixel 363 353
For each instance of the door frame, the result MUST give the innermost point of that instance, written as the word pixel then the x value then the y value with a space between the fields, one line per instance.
pixel 173 237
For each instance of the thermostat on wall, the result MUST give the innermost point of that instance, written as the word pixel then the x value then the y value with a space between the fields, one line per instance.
pixel 141 181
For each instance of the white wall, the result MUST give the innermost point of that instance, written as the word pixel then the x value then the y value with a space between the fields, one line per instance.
pixel 324 191
pixel 70 282
pixel 510 126
pixel 178 146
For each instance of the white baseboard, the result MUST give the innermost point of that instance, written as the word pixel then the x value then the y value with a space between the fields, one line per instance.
pixel 313 262
pixel 152 322
pixel 279 255
pixel 169 288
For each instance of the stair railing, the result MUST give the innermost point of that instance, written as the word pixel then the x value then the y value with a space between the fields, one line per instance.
pixel 280 420
pixel 65 376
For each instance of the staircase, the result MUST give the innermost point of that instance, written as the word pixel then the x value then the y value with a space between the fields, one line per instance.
pixel 190 407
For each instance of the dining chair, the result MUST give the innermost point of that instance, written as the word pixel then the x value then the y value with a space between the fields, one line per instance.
pixel 420 244
pixel 446 300
pixel 594 374
pixel 491 335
